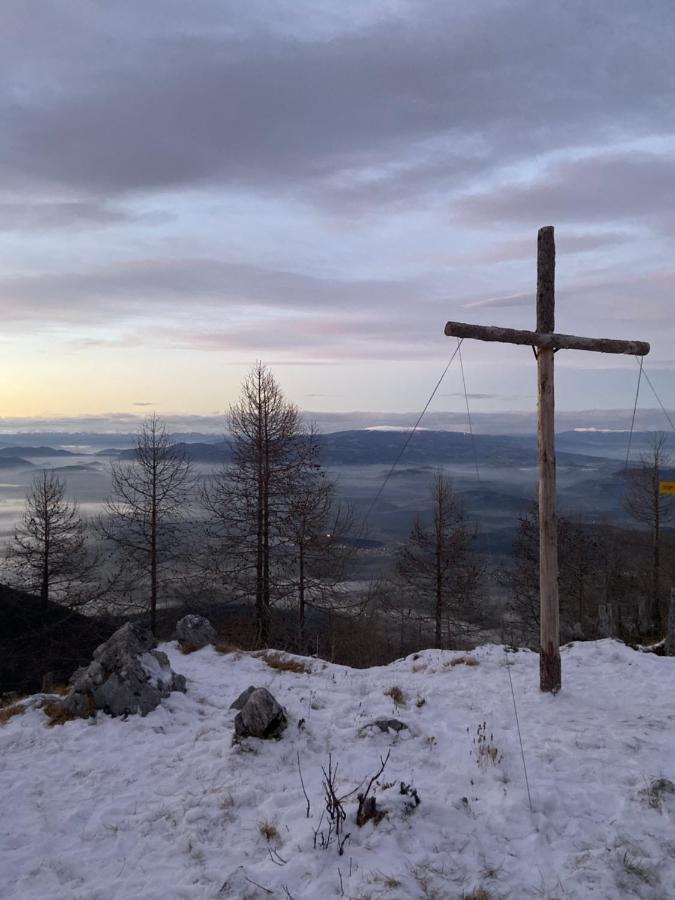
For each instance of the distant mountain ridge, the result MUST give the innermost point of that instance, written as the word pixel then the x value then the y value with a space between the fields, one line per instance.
pixel 14 462
pixel 382 447
pixel 33 451
pixel 378 445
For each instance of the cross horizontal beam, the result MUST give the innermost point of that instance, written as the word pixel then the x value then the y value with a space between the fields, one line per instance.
pixel 546 341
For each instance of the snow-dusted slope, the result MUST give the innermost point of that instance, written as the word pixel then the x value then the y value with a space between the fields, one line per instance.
pixel 166 807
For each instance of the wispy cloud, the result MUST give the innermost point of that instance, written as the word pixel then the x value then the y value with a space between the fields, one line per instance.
pixel 499 302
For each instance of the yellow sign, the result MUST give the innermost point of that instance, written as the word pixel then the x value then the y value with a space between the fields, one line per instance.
pixel 666 487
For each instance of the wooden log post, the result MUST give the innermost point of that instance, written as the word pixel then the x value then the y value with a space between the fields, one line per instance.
pixel 549 625
pixel 546 342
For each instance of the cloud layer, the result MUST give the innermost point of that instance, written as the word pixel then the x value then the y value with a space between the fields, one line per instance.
pixel 317 181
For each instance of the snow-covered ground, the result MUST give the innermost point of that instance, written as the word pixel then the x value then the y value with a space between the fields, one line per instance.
pixel 167 807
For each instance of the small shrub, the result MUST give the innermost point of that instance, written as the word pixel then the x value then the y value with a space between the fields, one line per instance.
pixel 485 750
pixel 396 695
pixel 187 648
pixel 8 712
pixel 637 869
pixel 268 830
pixel 657 790
pixel 478 894
pixel 408 790
pixel 276 661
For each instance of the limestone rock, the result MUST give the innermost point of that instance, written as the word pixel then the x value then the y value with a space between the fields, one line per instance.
pixel 388 725
pixel 240 702
pixel 195 631
pixel 127 675
pixel 260 716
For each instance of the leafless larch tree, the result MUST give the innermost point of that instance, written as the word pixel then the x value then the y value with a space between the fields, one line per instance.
pixel 147 504
pixel 437 564
pixel 647 505
pixel 49 554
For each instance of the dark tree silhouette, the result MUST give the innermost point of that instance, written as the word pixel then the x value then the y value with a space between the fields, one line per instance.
pixel 437 563
pixel 314 532
pixel 48 554
pixel 248 500
pixel 147 503
pixel 647 505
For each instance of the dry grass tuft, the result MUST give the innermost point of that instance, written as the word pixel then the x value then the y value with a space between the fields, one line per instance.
pixel 461 661
pixel 389 882
pixel 268 830
pixel 478 894
pixel 396 695
pixel 188 648
pixel 223 646
pixel 58 714
pixel 60 689
pixel 8 712
pixel 277 661
pixel 10 698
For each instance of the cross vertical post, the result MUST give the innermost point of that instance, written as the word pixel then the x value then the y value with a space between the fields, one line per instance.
pixel 545 342
pixel 549 619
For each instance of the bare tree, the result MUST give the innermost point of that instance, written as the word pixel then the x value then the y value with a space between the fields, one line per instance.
pixel 314 531
pixel 50 556
pixel 648 506
pixel 147 504
pixel 437 562
pixel 48 553
pixel 248 499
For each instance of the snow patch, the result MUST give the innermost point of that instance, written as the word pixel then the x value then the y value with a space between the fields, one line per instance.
pixel 168 806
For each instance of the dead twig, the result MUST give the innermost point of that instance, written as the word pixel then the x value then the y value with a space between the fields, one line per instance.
pixel 303 784
pixel 276 858
pixel 367 805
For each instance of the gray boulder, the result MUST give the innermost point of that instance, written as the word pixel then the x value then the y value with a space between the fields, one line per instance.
pixel 195 632
pixel 240 702
pixel 387 725
pixel 127 675
pixel 260 716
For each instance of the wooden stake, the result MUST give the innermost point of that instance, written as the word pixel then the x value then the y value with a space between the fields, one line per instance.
pixel 547 342
pixel 549 626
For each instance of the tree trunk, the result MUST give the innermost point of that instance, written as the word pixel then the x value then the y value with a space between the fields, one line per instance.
pixel 301 598
pixel 261 636
pixel 265 631
pixel 670 637
pixel 153 553
pixel 44 592
pixel 439 600
pixel 656 574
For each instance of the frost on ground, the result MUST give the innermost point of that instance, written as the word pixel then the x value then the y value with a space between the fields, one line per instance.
pixel 167 806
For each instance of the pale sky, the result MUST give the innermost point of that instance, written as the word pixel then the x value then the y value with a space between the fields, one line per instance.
pixel 187 187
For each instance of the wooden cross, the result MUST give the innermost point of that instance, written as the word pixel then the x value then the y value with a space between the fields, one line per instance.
pixel 546 343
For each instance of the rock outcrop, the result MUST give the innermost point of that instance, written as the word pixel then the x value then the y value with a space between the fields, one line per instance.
pixel 127 675
pixel 194 632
